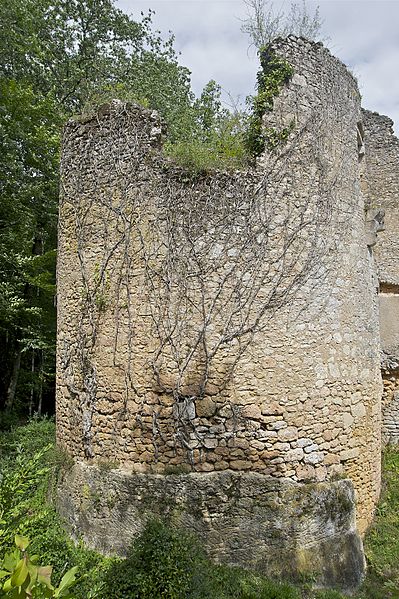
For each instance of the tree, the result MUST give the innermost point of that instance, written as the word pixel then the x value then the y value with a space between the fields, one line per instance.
pixel 28 191
pixel 264 22
pixel 61 57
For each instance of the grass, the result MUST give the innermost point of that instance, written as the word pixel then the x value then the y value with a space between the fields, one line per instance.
pixel 163 563
pixel 224 150
pixel 382 540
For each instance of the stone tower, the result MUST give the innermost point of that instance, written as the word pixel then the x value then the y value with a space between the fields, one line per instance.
pixel 218 342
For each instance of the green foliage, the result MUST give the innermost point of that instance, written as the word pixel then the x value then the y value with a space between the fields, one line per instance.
pixel 275 138
pixel 29 467
pixel 235 583
pixel 275 72
pixel 210 137
pixel 25 579
pixel 382 540
pixel 161 563
pixel 29 142
pixel 25 468
pixel 16 486
pixel 198 157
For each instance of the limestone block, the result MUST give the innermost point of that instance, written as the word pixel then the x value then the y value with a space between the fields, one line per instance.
pixel 358 410
pixel 210 443
pixel 304 442
pixel 294 455
pixel 272 408
pixel 349 454
pixel 270 511
pixel 205 407
pixel 347 420
pixel 251 411
pixel 311 448
pixel 288 434
pixel 314 458
pixel 240 464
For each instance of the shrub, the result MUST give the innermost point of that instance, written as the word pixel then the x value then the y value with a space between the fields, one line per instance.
pixel 17 484
pixel 274 74
pixel 162 563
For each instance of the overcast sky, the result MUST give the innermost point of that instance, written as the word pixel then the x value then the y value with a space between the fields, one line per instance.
pixel 363 34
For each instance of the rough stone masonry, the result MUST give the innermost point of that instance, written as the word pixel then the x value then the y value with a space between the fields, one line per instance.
pixel 218 334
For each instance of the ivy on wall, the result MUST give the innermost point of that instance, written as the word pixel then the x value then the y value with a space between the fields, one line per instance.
pixel 274 74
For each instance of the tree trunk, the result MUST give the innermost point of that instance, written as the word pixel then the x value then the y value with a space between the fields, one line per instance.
pixel 40 402
pixel 12 387
pixel 32 386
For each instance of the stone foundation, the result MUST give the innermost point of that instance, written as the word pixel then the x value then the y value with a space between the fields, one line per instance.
pixel 273 526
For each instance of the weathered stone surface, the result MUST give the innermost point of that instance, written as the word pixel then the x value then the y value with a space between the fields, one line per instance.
pixel 271 525
pixel 205 407
pixel 303 400
pixel 381 187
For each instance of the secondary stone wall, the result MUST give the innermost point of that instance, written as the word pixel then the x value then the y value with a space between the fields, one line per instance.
pixel 269 365
pixel 390 406
pixel 382 159
pixel 382 175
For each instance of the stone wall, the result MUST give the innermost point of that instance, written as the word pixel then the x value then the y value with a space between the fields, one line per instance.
pixel 382 191
pixel 382 159
pixel 258 522
pixel 222 323
pixel 390 405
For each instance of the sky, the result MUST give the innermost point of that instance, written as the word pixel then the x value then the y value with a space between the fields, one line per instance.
pixel 363 34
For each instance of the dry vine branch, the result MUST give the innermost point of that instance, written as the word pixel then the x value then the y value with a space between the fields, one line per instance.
pixel 214 258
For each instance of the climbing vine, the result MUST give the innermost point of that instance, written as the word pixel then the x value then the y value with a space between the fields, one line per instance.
pixel 183 272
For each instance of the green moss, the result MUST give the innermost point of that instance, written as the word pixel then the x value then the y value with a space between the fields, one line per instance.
pixel 107 465
pixel 177 469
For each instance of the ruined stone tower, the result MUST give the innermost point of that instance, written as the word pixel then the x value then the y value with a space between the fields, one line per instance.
pixel 218 342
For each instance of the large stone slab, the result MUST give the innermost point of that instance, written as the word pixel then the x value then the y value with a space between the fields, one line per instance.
pixel 276 527
pixel 389 322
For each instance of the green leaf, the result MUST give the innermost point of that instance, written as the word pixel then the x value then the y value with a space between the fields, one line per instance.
pixel 21 542
pixel 33 573
pixel 7 586
pixel 20 573
pixel 67 581
pixel 10 561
